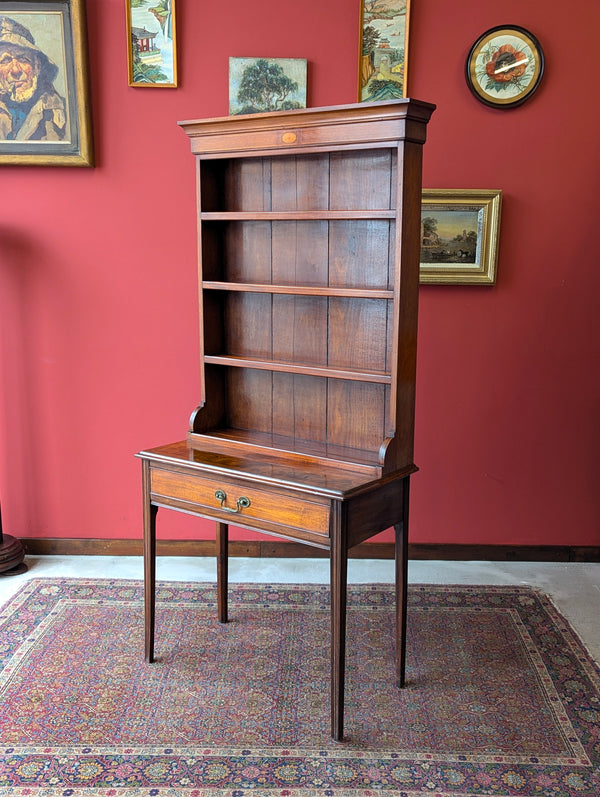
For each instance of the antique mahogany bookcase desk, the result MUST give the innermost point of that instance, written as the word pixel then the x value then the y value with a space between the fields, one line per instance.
pixel 309 241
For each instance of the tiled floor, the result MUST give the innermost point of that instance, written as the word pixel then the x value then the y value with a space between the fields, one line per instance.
pixel 574 587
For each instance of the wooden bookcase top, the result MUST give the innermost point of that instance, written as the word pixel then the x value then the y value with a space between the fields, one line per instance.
pixel 308 240
pixel 371 124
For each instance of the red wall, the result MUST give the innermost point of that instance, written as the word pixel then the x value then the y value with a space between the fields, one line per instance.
pixel 98 283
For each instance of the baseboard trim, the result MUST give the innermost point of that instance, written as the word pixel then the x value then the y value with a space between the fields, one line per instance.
pixel 55 546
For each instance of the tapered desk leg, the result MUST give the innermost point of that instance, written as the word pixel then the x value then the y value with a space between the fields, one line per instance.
pixel 222 570
pixel 339 581
pixel 150 512
pixel 401 530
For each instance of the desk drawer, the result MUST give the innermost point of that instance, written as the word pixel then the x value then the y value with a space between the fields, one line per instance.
pixel 248 505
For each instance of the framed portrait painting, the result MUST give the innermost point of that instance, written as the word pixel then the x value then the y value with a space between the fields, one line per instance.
pixel 45 117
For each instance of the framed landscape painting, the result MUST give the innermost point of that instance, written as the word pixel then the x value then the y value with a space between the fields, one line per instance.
pixel 151 44
pixel 45 115
pixel 261 85
pixel 383 50
pixel 459 236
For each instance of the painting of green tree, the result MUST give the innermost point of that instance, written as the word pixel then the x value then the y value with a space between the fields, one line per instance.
pixel 260 85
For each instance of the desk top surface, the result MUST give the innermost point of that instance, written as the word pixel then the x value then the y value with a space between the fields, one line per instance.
pixel 315 475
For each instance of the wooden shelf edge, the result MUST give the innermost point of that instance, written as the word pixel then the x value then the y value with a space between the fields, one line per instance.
pixel 274 447
pixel 305 369
pixel 298 290
pixel 297 215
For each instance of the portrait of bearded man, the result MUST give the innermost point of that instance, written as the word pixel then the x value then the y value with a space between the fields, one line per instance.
pixel 30 107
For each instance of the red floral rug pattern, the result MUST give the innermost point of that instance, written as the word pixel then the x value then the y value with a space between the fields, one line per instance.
pixel 501 697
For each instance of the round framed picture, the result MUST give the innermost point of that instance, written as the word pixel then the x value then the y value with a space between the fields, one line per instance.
pixel 504 66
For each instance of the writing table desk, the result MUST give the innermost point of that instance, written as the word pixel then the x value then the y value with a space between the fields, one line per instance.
pixel 332 506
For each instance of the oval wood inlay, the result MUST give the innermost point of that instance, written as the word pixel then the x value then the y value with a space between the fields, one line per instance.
pixel 288 138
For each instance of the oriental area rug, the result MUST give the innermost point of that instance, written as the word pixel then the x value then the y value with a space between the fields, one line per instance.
pixel 501 697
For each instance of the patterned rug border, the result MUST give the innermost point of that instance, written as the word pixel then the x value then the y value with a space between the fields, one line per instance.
pixel 137 791
pixel 234 792
pixel 325 772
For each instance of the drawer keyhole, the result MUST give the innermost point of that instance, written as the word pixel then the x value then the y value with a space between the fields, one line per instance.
pixel 241 503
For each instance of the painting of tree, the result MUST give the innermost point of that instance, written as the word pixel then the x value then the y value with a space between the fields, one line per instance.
pixel 260 85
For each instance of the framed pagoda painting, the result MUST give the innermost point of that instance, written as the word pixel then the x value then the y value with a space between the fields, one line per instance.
pixel 383 50
pixel 151 44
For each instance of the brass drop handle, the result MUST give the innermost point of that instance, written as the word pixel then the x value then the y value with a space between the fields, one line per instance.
pixel 241 503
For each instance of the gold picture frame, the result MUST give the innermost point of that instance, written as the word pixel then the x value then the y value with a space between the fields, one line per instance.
pixel 459 236
pixel 45 117
pixel 383 49
pixel 151 44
